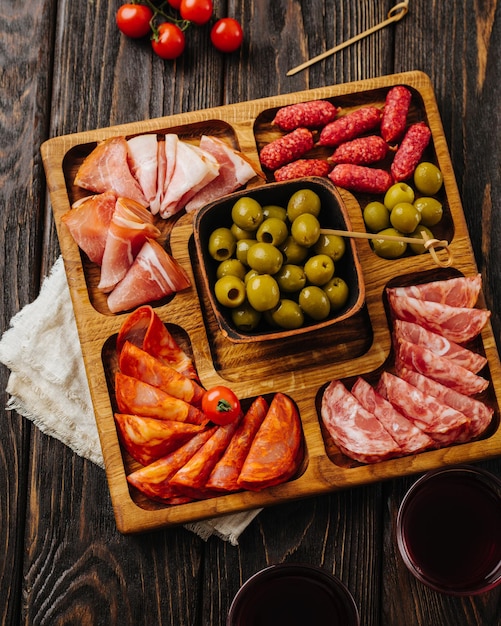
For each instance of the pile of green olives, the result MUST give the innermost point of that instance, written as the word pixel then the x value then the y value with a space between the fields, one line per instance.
pixel 406 211
pixel 274 264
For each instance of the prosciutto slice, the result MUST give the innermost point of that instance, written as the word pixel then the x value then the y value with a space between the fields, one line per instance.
pixel 457 324
pixel 459 292
pixel 107 168
pixel 355 431
pixel 88 222
pixel 143 151
pixel 154 274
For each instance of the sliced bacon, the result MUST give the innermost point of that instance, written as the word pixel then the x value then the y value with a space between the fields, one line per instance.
pixel 442 423
pixel 461 292
pixel 88 221
pixel 138 398
pixel 407 435
pixel 455 323
pixel 107 168
pixel 143 154
pixel 154 274
pixel 439 368
pixel 147 439
pixel 439 344
pixel 355 431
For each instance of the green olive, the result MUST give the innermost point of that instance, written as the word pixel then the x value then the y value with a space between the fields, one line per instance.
pixel 418 248
pixel 319 269
pixel 231 267
pixel 337 291
pixel 221 244
pixel 272 230
pixel 242 249
pixel 331 245
pixel 405 217
pixel 428 178
pixel 430 209
pixel 399 192
pixel 389 249
pixel 291 278
pixel 288 314
pixel 303 201
pixel 245 317
pixel 263 293
pixel 239 233
pixel 314 302
pixel 305 230
pixel 265 258
pixel 273 210
pixel 247 213
pixel 250 274
pixel 230 291
pixel 292 251
pixel 376 216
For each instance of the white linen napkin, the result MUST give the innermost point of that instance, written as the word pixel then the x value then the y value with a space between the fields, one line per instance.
pixel 48 384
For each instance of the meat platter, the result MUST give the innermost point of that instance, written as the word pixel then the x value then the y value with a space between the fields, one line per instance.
pixel 301 367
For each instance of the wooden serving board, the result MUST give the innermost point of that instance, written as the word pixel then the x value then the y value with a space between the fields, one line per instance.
pixel 300 368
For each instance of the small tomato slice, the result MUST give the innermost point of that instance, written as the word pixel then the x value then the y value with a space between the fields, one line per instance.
pixel 133 20
pixel 169 43
pixel 197 11
pixel 227 35
pixel 220 405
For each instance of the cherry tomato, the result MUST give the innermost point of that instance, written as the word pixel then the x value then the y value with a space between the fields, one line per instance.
pixel 197 11
pixel 133 20
pixel 175 4
pixel 221 405
pixel 227 35
pixel 170 42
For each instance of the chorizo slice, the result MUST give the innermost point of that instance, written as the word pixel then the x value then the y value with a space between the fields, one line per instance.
pixel 350 126
pixel 396 108
pixel 312 114
pixel 461 291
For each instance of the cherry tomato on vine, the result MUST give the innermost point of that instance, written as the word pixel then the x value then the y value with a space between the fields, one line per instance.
pixel 170 41
pixel 175 4
pixel 221 405
pixel 133 20
pixel 227 35
pixel 197 11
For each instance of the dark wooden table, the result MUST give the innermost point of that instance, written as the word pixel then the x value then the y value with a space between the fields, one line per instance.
pixel 65 68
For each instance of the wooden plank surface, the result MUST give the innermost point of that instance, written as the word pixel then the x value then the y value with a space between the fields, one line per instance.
pixel 65 69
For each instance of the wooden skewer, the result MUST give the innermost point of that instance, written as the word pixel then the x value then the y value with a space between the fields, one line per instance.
pixel 430 244
pixel 395 14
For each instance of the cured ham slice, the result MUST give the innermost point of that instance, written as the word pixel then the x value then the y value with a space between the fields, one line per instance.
pixel 167 153
pixel 439 368
pixel 480 414
pixel 277 449
pixel 407 435
pixel 130 227
pixel 457 324
pixel 147 439
pixel 154 274
pixel 442 423
pixel 137 398
pixel 146 330
pixel 234 171
pixel 88 222
pixel 154 480
pixel 439 344
pixel 144 163
pixel 460 292
pixel 355 431
pixel 224 476
pixel 107 168
pixel 161 167
pixel 135 362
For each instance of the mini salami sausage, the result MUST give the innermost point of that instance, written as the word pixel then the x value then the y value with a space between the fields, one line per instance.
pixel 302 167
pixel 361 151
pixel 285 149
pixel 396 108
pixel 349 126
pixel 410 151
pixel 313 114
pixel 360 178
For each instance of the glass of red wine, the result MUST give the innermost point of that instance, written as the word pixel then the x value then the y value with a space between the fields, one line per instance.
pixel 449 530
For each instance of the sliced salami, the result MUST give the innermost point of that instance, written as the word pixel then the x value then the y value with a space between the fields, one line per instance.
pixel 461 291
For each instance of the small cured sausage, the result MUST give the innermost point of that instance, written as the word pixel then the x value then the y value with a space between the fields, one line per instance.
pixel 457 324
pixel 135 362
pixel 302 167
pixel 407 435
pixel 285 149
pixel 313 114
pixel 355 431
pixel 146 330
pixel 360 178
pixel 138 398
pixel 410 151
pixel 439 368
pixel 276 451
pixel 361 151
pixel 224 476
pixel 349 126
pixel 396 109
pixel 439 345
pixel 461 291
pixel 147 439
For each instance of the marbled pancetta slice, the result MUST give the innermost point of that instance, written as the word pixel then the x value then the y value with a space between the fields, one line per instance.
pixel 459 292
pixel 355 431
